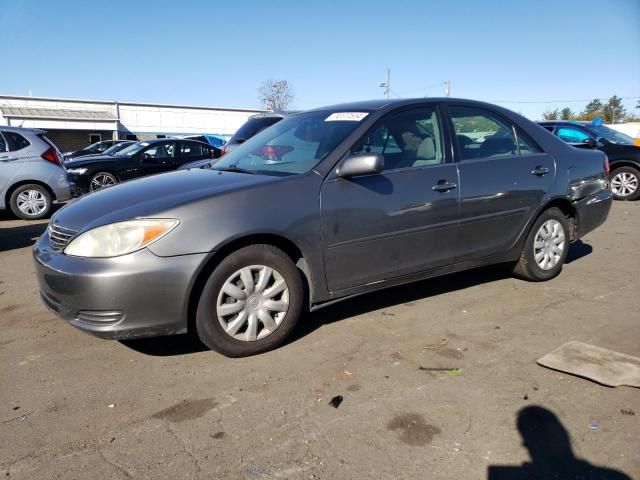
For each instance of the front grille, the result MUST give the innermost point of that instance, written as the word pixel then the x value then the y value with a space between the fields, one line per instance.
pixel 59 236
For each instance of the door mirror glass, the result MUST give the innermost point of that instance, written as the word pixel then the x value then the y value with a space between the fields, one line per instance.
pixel 361 164
pixel 590 142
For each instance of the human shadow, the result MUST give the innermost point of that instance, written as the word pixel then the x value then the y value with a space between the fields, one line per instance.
pixel 550 450
pixel 578 250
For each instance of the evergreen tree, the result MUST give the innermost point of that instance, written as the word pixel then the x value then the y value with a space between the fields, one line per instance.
pixel 566 114
pixel 592 110
pixel 613 111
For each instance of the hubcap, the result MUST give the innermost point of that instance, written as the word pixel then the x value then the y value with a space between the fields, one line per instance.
pixel 549 244
pixel 624 184
pixel 252 303
pixel 102 180
pixel 32 202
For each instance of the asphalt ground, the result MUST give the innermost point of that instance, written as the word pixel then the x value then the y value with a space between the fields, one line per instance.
pixel 433 378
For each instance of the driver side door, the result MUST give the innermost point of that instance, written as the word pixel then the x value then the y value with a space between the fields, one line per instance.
pixel 158 158
pixel 401 221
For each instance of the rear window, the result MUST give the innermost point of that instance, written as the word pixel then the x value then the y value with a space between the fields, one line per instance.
pixel 16 141
pixel 252 127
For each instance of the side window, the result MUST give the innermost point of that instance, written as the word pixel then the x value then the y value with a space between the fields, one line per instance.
pixel 3 144
pixel 160 151
pixel 15 141
pixel 188 149
pixel 572 135
pixel 406 139
pixel 526 145
pixel 482 134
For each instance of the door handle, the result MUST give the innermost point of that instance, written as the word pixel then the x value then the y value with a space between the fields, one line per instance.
pixel 540 170
pixel 444 186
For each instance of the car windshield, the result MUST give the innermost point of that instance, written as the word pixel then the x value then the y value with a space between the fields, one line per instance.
pixel 132 149
pixel 116 148
pixel 610 134
pixel 292 146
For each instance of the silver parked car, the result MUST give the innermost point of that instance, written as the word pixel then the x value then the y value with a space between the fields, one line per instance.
pixel 31 173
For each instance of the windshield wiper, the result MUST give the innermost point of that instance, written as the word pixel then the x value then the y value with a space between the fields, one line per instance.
pixel 234 168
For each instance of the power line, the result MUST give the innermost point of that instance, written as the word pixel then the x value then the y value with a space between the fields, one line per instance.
pixel 558 101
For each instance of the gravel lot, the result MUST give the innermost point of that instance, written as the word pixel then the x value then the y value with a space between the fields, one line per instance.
pixel 73 406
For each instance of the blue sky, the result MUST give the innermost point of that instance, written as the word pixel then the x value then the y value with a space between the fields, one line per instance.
pixel 217 53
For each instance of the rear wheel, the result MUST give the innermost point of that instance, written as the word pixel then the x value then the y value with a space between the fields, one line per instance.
pixel 101 180
pixel 625 183
pixel 31 202
pixel 546 247
pixel 251 302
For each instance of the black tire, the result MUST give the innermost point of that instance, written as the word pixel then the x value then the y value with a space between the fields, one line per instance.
pixel 629 171
pixel 527 268
pixel 33 187
pixel 108 175
pixel 208 326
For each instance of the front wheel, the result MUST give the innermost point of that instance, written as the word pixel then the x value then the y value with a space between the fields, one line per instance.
pixel 251 302
pixel 101 180
pixel 625 183
pixel 31 202
pixel 546 247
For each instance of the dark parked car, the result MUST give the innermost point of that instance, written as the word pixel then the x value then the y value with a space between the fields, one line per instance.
pixel 112 150
pixel 139 159
pixel 93 149
pixel 623 154
pixel 324 205
pixel 251 127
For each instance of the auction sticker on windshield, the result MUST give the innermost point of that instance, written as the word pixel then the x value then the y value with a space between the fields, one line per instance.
pixel 346 116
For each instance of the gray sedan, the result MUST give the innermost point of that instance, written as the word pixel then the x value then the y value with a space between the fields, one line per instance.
pixel 322 206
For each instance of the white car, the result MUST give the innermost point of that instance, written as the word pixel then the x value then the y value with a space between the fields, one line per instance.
pixel 31 174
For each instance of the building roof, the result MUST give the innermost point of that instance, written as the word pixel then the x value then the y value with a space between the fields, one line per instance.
pixel 58 114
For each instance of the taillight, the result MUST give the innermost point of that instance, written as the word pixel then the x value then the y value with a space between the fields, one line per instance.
pixel 607 169
pixel 50 155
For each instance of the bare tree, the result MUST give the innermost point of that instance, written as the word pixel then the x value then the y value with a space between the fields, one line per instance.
pixel 551 114
pixel 276 95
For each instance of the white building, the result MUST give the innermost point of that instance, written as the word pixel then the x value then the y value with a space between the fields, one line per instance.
pixel 74 124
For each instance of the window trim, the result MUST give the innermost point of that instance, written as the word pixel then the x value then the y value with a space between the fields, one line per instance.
pixel 6 144
pixel 442 131
pixel 10 143
pixel 502 118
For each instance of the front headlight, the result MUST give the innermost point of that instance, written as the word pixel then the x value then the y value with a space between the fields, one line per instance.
pixel 120 238
pixel 77 171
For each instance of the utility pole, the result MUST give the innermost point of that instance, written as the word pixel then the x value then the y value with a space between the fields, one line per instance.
pixel 387 84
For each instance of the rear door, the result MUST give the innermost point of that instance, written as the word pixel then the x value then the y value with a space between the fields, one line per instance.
pixel 401 221
pixel 504 177
pixel 188 152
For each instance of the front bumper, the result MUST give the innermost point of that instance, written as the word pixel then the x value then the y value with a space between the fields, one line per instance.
pixel 132 296
pixel 592 211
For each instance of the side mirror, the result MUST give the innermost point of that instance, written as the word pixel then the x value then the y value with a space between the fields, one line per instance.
pixel 361 164
pixel 590 142
pixel 146 157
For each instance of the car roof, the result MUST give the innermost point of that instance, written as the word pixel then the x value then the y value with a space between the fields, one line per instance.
pixel 7 128
pixel 383 103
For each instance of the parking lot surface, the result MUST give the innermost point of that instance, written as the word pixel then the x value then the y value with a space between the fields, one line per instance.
pixel 433 378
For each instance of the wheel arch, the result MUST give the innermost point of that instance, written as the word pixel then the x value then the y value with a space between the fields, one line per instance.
pixel 613 164
pixel 286 245
pixel 20 183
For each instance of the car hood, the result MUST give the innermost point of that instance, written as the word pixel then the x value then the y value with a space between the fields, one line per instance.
pixel 151 196
pixel 89 159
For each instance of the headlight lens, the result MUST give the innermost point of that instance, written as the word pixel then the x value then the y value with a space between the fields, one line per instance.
pixel 120 238
pixel 77 171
